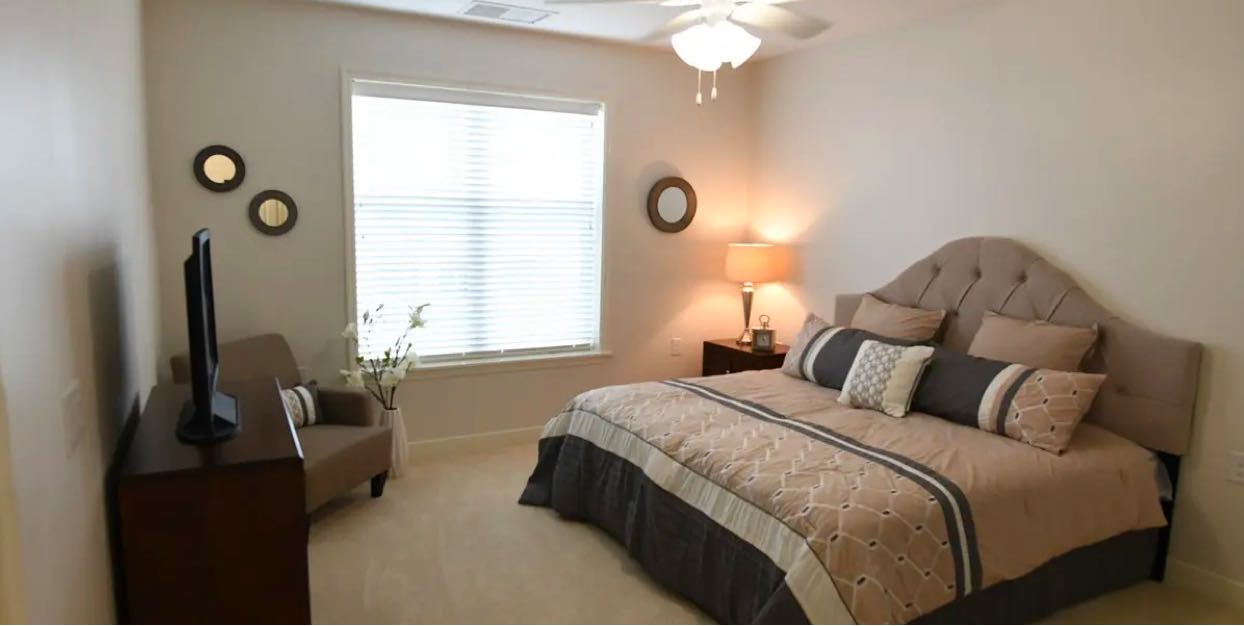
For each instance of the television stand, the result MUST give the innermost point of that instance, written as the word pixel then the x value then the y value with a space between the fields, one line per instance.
pixel 213 533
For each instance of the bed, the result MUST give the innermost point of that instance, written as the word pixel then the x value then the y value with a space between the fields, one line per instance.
pixel 763 500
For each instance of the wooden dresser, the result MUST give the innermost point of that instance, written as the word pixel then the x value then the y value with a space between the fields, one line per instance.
pixel 217 533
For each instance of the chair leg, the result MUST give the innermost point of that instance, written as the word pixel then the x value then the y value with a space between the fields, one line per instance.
pixel 377 484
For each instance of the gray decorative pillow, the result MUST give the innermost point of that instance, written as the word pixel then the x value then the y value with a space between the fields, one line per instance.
pixel 813 327
pixel 883 377
pixel 823 353
pixel 1040 407
pixel 303 404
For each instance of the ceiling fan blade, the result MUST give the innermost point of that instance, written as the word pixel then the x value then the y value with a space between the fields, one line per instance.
pixel 680 3
pixel 772 17
pixel 678 24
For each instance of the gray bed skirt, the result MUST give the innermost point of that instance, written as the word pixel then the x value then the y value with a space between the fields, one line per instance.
pixel 733 582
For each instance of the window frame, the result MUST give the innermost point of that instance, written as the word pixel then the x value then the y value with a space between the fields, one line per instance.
pixel 481 93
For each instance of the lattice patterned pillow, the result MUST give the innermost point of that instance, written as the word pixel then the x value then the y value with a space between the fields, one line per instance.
pixel 883 377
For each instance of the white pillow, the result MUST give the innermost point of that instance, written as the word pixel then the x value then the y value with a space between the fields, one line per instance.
pixel 883 377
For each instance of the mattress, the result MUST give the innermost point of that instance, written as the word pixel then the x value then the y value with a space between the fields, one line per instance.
pixel 822 512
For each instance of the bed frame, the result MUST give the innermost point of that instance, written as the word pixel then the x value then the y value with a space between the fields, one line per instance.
pixel 1150 391
pixel 1148 397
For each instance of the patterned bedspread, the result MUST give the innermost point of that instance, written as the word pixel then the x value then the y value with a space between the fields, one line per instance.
pixel 871 518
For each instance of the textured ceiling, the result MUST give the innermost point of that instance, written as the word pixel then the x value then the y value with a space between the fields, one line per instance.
pixel 630 22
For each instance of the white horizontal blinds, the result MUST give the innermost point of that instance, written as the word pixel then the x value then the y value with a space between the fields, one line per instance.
pixel 486 206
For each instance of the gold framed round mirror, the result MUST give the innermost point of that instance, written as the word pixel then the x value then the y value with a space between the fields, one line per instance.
pixel 273 212
pixel 219 168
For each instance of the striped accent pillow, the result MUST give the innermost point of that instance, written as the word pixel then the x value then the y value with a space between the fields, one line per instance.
pixel 823 353
pixel 303 404
pixel 1040 407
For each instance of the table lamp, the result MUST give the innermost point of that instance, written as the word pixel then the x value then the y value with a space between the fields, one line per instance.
pixel 751 263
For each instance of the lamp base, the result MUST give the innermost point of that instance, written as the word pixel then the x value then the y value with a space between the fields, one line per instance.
pixel 745 339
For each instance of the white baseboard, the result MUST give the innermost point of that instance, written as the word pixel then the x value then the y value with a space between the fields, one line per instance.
pixel 1206 583
pixel 432 449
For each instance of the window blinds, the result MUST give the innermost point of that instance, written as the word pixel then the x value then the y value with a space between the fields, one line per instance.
pixel 489 207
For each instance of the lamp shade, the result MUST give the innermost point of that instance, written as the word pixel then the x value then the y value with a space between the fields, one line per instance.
pixel 756 263
pixel 697 47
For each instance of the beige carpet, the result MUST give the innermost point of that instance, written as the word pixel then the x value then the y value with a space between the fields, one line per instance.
pixel 448 544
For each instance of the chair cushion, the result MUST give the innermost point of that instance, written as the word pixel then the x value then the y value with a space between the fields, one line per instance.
pixel 338 458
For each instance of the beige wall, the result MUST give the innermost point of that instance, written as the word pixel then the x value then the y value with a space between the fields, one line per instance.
pixel 78 289
pixel 265 78
pixel 1108 135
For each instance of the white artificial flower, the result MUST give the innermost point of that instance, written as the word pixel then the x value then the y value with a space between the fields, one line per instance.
pixel 351 332
pixel 416 316
pixel 353 378
pixel 391 376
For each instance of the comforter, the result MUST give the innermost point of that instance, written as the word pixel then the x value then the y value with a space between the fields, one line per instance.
pixel 830 514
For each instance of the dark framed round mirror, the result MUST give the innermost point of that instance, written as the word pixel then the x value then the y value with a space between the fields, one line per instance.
pixel 219 168
pixel 273 212
pixel 671 204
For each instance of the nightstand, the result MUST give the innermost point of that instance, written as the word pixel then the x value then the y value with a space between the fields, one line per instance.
pixel 723 356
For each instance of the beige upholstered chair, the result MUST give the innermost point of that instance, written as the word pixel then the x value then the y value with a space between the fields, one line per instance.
pixel 347 449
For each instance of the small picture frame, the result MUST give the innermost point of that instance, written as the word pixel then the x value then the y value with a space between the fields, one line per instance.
pixel 763 339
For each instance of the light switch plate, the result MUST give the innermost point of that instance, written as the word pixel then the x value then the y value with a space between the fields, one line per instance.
pixel 1235 467
pixel 72 416
pixel 675 346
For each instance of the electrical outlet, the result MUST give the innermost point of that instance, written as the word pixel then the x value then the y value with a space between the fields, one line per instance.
pixel 1235 467
pixel 71 414
pixel 676 346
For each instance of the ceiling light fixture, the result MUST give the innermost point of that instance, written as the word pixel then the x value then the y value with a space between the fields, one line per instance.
pixel 710 35
pixel 708 45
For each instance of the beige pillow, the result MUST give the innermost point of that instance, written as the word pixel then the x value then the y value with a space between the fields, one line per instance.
pixel 1047 406
pixel 899 322
pixel 1033 342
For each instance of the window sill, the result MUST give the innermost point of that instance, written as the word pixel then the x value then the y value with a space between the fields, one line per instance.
pixel 506 364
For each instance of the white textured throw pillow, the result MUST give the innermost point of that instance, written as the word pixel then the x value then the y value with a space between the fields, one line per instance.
pixel 883 377
pixel 303 404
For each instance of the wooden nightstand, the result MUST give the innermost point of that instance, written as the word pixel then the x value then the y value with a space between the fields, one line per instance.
pixel 723 356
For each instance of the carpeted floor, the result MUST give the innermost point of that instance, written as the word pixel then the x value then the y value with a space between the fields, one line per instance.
pixel 448 544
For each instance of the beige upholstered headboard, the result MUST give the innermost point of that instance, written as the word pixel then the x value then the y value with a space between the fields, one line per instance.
pixel 1151 384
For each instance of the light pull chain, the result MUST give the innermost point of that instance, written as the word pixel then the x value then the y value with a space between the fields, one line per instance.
pixel 699 97
pixel 713 94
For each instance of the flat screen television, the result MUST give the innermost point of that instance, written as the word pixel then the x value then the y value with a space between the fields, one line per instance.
pixel 208 415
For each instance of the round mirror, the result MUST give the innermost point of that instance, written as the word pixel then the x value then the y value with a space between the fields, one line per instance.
pixel 219 168
pixel 671 204
pixel 273 212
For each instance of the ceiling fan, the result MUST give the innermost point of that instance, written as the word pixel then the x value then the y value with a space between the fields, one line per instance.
pixel 710 35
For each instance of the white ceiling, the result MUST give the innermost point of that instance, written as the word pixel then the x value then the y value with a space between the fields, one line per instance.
pixel 630 22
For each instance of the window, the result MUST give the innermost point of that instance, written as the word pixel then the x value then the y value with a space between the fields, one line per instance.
pixel 486 205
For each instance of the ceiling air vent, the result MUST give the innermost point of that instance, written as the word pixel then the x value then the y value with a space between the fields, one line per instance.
pixel 504 12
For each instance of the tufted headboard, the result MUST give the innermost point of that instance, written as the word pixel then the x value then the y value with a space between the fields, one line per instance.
pixel 1151 380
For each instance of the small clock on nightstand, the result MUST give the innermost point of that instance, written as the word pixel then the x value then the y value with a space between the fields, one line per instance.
pixel 723 356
